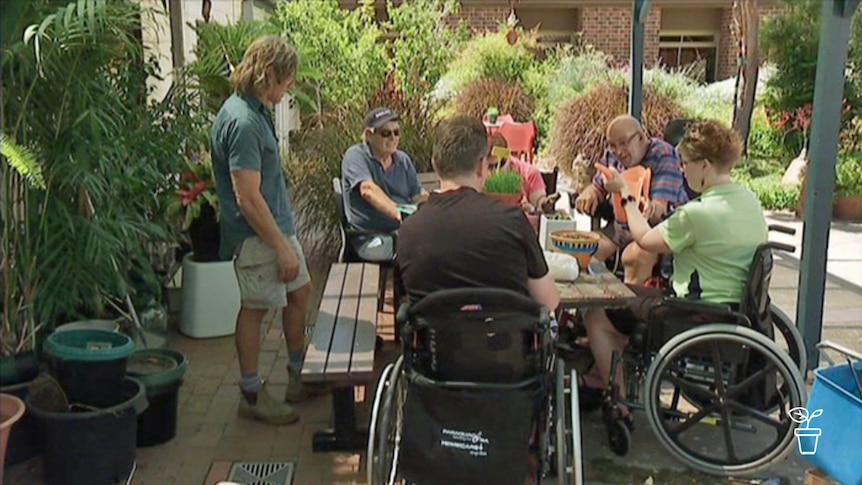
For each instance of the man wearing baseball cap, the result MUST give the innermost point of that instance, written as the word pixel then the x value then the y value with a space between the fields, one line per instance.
pixel 377 178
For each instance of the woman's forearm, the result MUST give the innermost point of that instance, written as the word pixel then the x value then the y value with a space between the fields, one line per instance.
pixel 638 225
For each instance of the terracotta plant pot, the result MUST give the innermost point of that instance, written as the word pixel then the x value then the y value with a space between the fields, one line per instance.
pixel 513 199
pixel 11 410
pixel 847 208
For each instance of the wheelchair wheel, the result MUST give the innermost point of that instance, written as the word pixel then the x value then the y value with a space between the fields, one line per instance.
pixel 383 431
pixel 724 431
pixel 792 339
pixel 565 452
pixel 619 438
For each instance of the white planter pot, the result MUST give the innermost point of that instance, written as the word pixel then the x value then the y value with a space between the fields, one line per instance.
pixel 210 299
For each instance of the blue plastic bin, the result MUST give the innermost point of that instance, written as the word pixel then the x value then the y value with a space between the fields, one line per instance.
pixel 839 451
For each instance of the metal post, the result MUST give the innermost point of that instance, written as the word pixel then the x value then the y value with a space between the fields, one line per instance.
pixel 640 9
pixel 820 183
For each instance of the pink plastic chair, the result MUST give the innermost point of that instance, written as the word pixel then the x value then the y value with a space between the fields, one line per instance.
pixel 521 138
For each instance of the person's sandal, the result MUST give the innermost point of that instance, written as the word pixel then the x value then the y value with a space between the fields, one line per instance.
pixel 589 398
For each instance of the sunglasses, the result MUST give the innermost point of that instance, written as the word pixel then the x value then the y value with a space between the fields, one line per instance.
pixel 390 133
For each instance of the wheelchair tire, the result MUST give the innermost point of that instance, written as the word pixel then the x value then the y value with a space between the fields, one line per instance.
pixel 566 457
pixel 792 338
pixel 382 445
pixel 619 438
pixel 722 410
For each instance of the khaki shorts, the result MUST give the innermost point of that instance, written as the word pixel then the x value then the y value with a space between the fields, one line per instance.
pixel 256 268
pixel 617 235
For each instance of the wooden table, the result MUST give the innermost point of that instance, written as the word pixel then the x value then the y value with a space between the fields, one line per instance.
pixel 596 288
pixel 341 350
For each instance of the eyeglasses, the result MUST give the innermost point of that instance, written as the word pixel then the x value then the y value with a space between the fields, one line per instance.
pixel 683 162
pixel 390 133
pixel 616 146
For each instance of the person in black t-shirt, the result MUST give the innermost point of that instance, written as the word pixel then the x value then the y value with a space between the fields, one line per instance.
pixel 462 238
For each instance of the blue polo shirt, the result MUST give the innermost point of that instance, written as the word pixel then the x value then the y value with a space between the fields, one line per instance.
pixel 243 137
pixel 400 183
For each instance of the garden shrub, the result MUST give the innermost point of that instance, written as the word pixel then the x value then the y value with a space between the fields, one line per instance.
pixel 773 195
pixel 509 98
pixel 848 175
pixel 792 85
pixel 424 44
pixel 580 124
pixel 764 140
pixel 339 44
pixel 489 56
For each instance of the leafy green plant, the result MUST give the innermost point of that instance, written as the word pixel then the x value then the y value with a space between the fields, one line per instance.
pixel 74 94
pixel 764 140
pixel 507 97
pixel 503 181
pixel 196 189
pixel 579 126
pixel 423 42
pixel 773 195
pixel 489 56
pixel 342 46
pixel 792 85
pixel 848 176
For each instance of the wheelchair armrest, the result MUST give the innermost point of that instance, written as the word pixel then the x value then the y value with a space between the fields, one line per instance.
pixel 402 315
pixel 704 307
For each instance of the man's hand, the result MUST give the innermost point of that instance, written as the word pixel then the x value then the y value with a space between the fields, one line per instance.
pixel 288 265
pixel 547 204
pixel 587 201
pixel 655 211
pixel 614 181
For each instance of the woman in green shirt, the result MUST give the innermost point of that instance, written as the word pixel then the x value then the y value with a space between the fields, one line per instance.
pixel 713 239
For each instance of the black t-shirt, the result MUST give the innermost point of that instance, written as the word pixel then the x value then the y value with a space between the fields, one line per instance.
pixel 463 239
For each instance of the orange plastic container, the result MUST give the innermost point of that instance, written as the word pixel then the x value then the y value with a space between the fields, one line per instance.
pixel 638 179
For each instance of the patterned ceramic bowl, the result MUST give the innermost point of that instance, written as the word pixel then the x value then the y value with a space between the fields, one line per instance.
pixel 580 244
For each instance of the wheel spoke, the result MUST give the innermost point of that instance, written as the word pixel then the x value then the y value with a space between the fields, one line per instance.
pixel 722 392
pixel 757 414
pixel 692 387
pixel 750 380
pixel 692 420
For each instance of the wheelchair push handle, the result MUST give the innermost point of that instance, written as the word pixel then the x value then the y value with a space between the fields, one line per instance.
pixel 782 229
pixel 781 246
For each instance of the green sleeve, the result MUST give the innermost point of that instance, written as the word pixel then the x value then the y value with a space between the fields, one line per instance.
pixel 677 231
pixel 244 146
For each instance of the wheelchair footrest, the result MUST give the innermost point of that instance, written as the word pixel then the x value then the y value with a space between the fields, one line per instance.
pixel 324 441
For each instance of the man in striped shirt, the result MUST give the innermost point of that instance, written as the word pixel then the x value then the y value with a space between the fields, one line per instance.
pixel 630 146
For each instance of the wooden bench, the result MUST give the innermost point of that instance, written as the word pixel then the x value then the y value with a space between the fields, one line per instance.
pixel 341 350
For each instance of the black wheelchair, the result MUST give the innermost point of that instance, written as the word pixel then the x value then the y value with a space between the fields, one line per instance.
pixel 477 396
pixel 715 385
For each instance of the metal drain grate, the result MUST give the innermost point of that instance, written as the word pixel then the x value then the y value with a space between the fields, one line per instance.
pixel 262 472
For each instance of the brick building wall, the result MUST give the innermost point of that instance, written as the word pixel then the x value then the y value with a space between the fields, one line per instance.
pixel 608 29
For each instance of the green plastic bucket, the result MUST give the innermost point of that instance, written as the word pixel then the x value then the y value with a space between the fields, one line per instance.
pixel 90 365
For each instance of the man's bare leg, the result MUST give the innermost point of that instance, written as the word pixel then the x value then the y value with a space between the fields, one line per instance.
pixel 638 264
pixel 293 318
pixel 247 339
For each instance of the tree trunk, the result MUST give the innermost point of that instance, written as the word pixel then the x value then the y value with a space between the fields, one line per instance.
pixel 747 19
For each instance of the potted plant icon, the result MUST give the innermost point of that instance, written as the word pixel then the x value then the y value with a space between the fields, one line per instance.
pixel 806 437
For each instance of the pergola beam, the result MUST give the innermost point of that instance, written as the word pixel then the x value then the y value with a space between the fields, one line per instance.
pixel 820 181
pixel 640 11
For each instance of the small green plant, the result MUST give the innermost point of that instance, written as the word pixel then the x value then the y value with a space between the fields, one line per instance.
pixel 848 177
pixel 503 182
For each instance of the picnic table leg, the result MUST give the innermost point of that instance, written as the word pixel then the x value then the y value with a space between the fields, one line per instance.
pixel 345 436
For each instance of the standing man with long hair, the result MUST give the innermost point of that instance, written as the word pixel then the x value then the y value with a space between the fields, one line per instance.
pixel 257 228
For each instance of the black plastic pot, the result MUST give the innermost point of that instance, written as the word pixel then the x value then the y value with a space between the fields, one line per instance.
pixel 23 367
pixel 92 447
pixel 89 364
pixel 161 371
pixel 204 235
pixel 26 439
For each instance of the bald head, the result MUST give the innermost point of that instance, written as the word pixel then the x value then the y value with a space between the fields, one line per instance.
pixel 623 125
pixel 627 140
